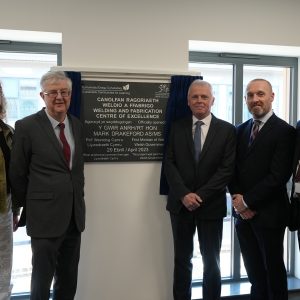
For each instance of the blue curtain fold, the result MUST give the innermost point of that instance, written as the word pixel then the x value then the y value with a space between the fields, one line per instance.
pixel 75 105
pixel 176 108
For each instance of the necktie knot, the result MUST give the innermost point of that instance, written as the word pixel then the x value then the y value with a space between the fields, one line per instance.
pixel 197 139
pixel 199 123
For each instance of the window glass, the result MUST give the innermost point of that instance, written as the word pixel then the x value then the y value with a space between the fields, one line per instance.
pixel 279 77
pixel 220 76
pixel 20 75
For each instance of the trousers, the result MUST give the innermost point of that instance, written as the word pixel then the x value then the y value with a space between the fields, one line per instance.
pixel 56 258
pixel 6 250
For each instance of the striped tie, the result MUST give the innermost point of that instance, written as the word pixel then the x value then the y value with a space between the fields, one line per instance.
pixel 254 131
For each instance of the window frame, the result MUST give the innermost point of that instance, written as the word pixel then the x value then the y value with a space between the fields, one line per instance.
pixel 41 48
pixel 30 48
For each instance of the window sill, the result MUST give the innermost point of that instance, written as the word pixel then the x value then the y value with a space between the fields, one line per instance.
pixel 233 290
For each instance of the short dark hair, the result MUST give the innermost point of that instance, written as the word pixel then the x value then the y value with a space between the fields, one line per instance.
pixel 260 79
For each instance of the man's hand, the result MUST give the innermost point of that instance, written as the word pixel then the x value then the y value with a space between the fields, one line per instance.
pixel 238 203
pixel 191 201
pixel 248 214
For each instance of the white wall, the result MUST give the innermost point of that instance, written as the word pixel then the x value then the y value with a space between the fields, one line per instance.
pixel 127 247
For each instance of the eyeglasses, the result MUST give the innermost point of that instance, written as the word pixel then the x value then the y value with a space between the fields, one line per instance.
pixel 54 94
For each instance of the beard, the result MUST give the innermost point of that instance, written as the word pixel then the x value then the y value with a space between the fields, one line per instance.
pixel 258 111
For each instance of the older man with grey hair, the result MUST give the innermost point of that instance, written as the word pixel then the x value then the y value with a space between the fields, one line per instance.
pixel 48 182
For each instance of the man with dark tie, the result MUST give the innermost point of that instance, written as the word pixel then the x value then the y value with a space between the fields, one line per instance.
pixel 199 164
pixel 265 147
pixel 48 182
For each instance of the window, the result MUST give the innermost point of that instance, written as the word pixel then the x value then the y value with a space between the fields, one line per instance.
pixel 229 75
pixel 21 66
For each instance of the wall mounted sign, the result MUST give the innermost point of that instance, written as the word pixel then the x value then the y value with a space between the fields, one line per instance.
pixel 124 121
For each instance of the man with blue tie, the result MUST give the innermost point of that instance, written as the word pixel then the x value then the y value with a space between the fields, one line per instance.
pixel 199 164
pixel 265 146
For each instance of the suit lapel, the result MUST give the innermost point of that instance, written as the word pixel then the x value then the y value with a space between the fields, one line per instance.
pixel 188 124
pixel 77 140
pixel 297 152
pixel 48 129
pixel 244 146
pixel 210 136
pixel 265 130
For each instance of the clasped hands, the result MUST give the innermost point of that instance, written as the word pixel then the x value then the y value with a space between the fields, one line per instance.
pixel 191 201
pixel 240 208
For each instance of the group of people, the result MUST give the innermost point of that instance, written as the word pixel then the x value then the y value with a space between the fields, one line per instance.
pixel 41 172
pixel 207 157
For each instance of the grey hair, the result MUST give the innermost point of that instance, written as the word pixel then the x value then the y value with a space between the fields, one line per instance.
pixel 200 82
pixel 54 76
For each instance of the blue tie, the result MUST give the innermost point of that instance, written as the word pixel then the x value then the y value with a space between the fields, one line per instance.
pixel 197 140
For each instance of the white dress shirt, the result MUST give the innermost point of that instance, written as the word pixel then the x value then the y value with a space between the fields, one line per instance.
pixel 204 128
pixel 68 134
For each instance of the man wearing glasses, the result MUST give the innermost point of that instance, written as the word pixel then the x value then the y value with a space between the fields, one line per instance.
pixel 48 182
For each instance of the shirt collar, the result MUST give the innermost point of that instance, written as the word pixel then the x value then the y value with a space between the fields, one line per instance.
pixel 266 117
pixel 206 121
pixel 54 122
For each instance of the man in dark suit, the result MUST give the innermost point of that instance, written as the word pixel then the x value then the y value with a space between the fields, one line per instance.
pixel 197 199
pixel 263 167
pixel 48 182
pixel 295 193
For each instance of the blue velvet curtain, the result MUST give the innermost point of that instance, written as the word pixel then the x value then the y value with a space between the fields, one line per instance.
pixel 75 105
pixel 176 108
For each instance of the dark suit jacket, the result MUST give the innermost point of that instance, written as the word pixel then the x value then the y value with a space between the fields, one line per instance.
pixel 297 150
pixel 41 180
pixel 212 173
pixel 263 169
pixel 294 222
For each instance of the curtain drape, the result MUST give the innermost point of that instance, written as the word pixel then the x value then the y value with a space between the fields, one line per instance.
pixel 176 108
pixel 75 105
